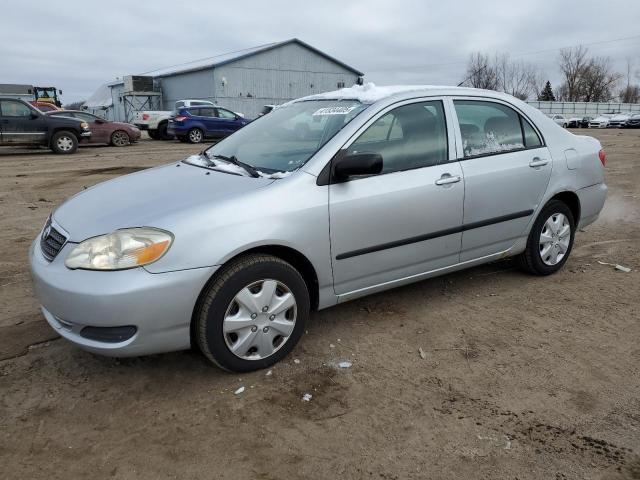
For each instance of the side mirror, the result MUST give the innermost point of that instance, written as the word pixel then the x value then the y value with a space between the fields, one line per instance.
pixel 353 164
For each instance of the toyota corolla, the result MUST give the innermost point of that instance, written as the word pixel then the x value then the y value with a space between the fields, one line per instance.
pixel 326 199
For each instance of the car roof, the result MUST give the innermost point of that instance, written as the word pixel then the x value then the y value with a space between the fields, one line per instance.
pixel 370 93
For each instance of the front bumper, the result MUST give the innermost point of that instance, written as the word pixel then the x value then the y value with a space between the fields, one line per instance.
pixel 142 126
pixel 158 305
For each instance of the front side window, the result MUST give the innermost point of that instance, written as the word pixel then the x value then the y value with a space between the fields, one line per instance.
pixel 488 128
pixel 9 108
pixel 288 137
pixel 408 137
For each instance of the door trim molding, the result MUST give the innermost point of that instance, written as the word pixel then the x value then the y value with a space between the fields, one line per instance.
pixel 432 235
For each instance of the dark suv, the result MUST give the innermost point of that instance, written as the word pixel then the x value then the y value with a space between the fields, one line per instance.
pixel 22 124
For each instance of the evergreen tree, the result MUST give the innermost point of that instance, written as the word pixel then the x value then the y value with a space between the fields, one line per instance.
pixel 546 95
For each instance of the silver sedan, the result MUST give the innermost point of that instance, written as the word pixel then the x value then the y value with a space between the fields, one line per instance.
pixel 326 199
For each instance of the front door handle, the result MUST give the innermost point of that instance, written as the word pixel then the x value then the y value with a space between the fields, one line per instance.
pixel 538 162
pixel 447 179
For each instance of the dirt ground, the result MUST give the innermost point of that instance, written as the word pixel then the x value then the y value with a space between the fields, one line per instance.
pixel 523 377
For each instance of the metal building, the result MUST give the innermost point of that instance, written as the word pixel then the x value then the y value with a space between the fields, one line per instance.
pixel 242 81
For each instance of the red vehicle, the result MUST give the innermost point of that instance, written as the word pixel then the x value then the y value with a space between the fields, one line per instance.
pixel 103 131
pixel 44 106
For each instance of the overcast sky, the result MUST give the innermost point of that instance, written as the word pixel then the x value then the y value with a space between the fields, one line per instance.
pixel 78 45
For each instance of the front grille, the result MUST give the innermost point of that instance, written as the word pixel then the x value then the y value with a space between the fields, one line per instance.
pixel 51 241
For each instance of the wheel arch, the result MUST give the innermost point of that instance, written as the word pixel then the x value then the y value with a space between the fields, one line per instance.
pixel 571 200
pixel 61 128
pixel 297 259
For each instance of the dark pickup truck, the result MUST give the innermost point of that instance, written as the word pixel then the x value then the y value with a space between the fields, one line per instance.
pixel 22 124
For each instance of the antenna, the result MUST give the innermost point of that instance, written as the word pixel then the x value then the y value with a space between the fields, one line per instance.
pixel 474 73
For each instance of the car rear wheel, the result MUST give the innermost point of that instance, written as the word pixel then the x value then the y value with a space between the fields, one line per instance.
pixel 252 314
pixel 64 142
pixel 120 138
pixel 153 134
pixel 195 135
pixel 550 241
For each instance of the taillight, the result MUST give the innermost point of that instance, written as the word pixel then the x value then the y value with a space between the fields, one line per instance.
pixel 180 118
pixel 603 156
pixel 145 116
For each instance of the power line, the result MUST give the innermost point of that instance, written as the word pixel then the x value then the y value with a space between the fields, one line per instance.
pixel 521 54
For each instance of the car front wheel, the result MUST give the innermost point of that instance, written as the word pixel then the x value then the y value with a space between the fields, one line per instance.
pixel 252 314
pixel 64 142
pixel 550 241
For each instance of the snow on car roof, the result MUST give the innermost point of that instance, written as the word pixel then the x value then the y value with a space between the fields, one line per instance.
pixel 370 93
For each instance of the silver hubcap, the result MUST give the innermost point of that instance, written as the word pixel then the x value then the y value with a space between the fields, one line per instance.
pixel 195 136
pixel 260 319
pixel 554 239
pixel 65 143
pixel 120 138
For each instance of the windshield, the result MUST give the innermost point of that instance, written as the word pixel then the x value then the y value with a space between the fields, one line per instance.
pixel 288 137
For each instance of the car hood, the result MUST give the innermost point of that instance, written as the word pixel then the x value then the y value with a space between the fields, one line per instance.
pixel 156 197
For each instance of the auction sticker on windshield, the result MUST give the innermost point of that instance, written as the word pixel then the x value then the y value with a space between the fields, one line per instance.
pixel 334 110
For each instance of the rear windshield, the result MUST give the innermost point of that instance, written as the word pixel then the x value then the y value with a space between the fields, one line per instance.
pixel 289 136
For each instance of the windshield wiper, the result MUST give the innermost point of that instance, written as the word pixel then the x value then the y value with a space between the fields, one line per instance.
pixel 232 159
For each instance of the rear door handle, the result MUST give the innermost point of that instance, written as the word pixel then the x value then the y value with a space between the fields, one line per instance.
pixel 447 179
pixel 538 162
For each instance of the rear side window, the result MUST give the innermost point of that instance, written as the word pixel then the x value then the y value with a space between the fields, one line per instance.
pixel 9 108
pixel 222 113
pixel 203 112
pixel 531 137
pixel 488 128
pixel 411 136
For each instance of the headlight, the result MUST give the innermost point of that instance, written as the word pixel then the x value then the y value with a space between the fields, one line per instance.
pixel 84 125
pixel 127 248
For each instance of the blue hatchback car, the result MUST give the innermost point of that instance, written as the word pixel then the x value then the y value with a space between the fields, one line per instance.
pixel 194 124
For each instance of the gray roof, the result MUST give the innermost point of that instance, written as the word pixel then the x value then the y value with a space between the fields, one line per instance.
pixel 225 58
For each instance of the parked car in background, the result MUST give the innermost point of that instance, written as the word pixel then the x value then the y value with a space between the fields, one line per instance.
pixel 560 120
pixel 103 131
pixel 195 124
pixel 155 122
pixel 320 202
pixel 584 122
pixel 45 106
pixel 23 124
pixel 616 121
pixel 266 109
pixel 574 122
pixel 633 121
pixel 600 121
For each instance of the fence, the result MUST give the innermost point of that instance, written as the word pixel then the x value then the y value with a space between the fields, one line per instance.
pixel 586 108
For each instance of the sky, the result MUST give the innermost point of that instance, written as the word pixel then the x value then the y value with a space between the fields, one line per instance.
pixel 79 45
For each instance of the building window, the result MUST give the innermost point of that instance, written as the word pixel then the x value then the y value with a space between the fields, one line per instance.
pixel 340 84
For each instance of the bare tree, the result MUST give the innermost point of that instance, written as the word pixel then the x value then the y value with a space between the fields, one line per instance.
pixel 480 72
pixel 630 93
pixel 585 79
pixel 502 74
pixel 516 78
pixel 598 81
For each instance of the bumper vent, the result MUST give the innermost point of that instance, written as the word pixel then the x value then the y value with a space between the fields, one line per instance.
pixel 51 241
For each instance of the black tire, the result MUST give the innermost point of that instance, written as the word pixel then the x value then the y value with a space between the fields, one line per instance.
pixel 219 295
pixel 195 135
pixel 530 260
pixel 162 132
pixel 64 142
pixel 120 138
pixel 153 134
